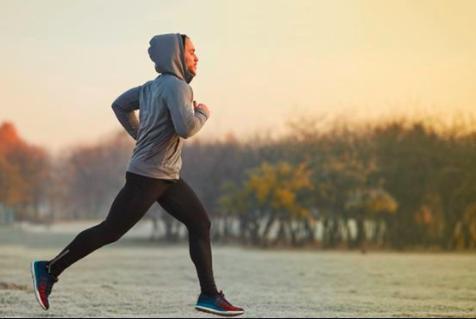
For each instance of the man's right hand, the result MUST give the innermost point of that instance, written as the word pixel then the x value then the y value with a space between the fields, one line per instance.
pixel 201 106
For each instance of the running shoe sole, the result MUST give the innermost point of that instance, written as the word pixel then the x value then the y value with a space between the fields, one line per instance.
pixel 218 312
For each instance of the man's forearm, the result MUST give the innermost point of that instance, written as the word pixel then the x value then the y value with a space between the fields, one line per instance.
pixel 128 120
pixel 124 107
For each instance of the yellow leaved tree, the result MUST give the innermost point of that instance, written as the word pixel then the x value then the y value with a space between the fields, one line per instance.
pixel 271 195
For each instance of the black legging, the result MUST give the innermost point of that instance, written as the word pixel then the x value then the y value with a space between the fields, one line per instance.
pixel 130 205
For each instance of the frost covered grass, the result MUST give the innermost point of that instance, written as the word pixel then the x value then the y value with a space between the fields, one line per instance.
pixel 128 279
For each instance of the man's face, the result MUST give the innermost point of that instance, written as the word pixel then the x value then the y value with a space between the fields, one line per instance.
pixel 191 59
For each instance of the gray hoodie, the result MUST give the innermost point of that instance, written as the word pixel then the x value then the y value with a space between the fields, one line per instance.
pixel 166 112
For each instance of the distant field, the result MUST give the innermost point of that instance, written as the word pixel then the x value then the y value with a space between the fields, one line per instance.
pixel 153 280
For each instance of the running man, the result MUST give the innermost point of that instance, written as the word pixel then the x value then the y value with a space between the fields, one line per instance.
pixel 168 115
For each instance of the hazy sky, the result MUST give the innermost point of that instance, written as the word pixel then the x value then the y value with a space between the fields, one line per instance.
pixel 261 62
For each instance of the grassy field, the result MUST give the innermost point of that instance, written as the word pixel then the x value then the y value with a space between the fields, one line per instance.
pixel 128 279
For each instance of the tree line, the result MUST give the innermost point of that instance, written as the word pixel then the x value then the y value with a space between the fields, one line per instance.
pixel 396 184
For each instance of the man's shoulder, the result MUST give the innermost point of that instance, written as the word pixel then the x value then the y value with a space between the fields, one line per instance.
pixel 174 84
pixel 171 81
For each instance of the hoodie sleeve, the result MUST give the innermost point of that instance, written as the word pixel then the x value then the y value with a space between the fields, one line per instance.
pixel 124 107
pixel 179 99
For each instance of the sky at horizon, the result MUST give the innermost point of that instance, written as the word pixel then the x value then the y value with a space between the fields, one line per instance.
pixel 261 62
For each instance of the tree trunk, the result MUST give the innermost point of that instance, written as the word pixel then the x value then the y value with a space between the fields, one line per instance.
pixel 267 228
pixel 361 235
pixel 310 231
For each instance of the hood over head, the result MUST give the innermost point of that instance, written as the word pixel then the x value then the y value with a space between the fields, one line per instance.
pixel 167 52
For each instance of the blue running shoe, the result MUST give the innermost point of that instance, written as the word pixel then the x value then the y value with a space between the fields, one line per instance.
pixel 217 305
pixel 43 281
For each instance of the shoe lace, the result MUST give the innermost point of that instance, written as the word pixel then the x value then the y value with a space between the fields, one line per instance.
pixel 222 297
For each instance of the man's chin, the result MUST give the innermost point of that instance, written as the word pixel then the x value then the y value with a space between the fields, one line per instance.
pixel 193 71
